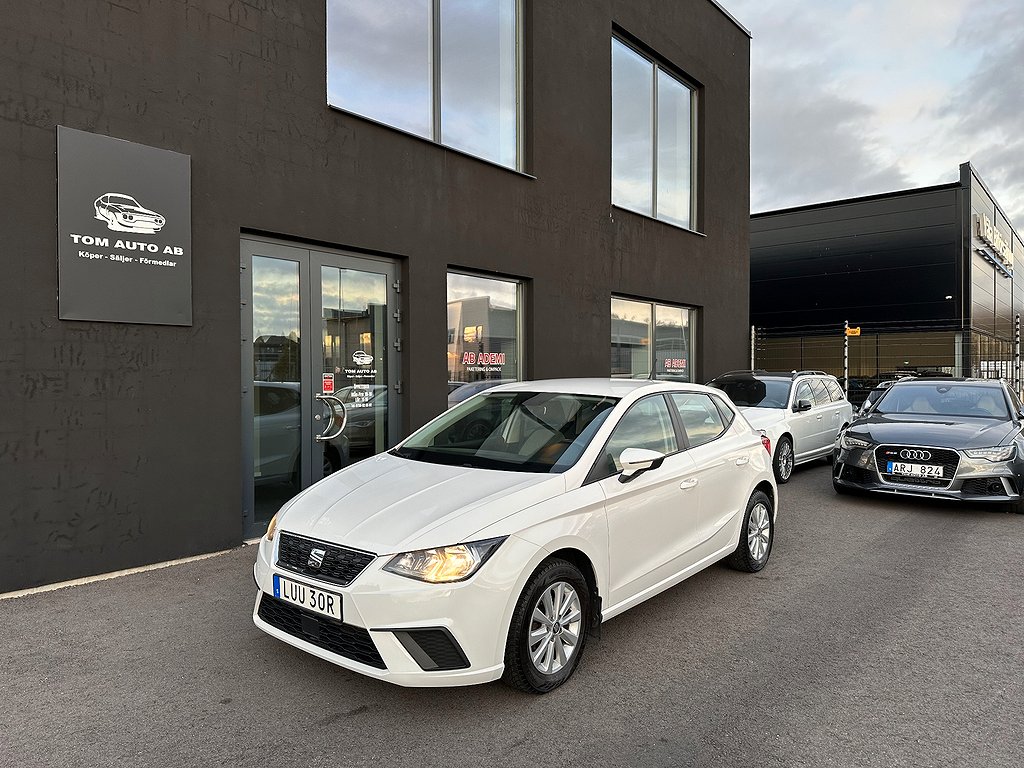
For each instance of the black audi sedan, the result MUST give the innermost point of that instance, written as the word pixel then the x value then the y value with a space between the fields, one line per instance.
pixel 941 438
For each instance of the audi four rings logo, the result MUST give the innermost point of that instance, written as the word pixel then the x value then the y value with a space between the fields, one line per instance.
pixel 316 558
pixel 915 455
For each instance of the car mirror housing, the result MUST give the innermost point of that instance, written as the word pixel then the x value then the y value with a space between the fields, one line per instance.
pixel 801 406
pixel 636 461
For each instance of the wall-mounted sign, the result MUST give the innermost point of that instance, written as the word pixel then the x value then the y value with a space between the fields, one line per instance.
pixel 853 331
pixel 124 231
pixel 997 250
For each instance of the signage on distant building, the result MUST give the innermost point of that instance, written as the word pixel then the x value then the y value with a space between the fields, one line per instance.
pixel 853 331
pixel 998 250
pixel 124 231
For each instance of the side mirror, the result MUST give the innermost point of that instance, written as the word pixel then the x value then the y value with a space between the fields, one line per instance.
pixel 802 405
pixel 636 461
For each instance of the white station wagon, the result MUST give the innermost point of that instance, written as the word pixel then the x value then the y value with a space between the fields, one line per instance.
pixel 495 539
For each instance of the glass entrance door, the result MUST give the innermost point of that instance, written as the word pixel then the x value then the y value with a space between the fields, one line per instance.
pixel 321 357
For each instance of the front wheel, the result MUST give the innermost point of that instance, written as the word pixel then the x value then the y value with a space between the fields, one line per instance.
pixel 756 535
pixel 549 628
pixel 782 464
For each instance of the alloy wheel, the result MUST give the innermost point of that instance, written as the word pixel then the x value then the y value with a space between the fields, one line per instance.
pixel 758 532
pixel 555 627
pixel 785 460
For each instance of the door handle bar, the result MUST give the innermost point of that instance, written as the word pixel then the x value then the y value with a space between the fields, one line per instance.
pixel 332 401
pixel 688 484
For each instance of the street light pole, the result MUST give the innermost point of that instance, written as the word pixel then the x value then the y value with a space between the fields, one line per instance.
pixel 846 355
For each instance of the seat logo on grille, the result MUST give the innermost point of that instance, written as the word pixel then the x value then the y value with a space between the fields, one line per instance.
pixel 915 455
pixel 316 558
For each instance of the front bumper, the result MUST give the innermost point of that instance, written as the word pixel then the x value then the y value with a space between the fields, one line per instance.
pixel 975 479
pixel 387 610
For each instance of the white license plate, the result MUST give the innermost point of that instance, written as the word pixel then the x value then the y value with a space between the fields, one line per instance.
pixel 914 470
pixel 310 598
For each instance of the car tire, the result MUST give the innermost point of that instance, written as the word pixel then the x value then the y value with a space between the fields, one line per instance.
pixel 783 461
pixel 529 665
pixel 757 534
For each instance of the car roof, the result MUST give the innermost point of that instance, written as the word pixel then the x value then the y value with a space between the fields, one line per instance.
pixel 950 380
pixel 600 387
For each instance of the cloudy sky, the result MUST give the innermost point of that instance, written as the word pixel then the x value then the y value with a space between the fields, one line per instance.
pixel 858 97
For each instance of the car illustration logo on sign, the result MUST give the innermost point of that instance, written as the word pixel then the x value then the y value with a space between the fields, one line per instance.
pixel 361 358
pixel 316 558
pixel 123 213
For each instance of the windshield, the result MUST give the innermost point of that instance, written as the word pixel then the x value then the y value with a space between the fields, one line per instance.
pixel 756 393
pixel 123 200
pixel 516 431
pixel 945 399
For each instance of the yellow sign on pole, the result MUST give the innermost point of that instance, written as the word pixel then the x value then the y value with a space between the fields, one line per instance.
pixel 853 331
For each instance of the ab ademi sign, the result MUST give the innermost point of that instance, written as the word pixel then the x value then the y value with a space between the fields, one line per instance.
pixel 124 231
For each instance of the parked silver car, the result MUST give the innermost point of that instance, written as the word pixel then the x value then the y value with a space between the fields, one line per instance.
pixel 801 412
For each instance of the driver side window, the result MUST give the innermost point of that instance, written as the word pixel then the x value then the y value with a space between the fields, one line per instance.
pixel 646 425
pixel 803 392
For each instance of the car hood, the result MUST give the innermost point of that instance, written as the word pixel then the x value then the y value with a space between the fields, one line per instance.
pixel 132 209
pixel 388 504
pixel 764 418
pixel 937 431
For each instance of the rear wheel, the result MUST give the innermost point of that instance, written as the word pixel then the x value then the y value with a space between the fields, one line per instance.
pixel 782 464
pixel 756 535
pixel 549 628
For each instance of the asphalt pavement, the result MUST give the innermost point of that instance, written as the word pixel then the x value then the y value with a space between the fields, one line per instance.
pixel 883 632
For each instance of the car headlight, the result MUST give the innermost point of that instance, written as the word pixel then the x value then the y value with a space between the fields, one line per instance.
pixel 272 527
pixel 444 564
pixel 848 442
pixel 996 453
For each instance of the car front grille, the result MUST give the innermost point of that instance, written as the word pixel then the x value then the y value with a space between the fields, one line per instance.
pixel 947 458
pixel 322 631
pixel 341 565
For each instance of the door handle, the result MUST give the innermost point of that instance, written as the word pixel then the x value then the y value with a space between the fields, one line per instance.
pixel 818 417
pixel 688 484
pixel 742 460
pixel 332 402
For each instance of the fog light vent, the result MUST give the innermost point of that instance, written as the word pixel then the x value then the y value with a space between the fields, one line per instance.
pixel 433 649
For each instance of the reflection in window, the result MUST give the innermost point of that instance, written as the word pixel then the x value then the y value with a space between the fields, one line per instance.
pixel 632 330
pixel 701 418
pixel 652 138
pixel 378 61
pixel 383 60
pixel 631 339
pixel 646 425
pixel 487 311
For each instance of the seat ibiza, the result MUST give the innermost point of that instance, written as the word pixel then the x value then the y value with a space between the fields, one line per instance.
pixel 493 541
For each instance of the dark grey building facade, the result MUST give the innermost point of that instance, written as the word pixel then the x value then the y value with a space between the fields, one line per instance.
pixel 928 276
pixel 352 201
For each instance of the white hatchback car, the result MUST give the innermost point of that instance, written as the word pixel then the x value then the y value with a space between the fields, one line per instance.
pixel 462 556
pixel 802 412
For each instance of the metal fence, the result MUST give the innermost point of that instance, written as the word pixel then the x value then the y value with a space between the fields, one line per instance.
pixel 877 353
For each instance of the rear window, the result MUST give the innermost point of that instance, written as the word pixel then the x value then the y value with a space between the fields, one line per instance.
pixel 756 393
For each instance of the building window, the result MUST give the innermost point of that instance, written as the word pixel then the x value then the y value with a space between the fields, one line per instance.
pixel 486 309
pixel 635 324
pixel 653 138
pixel 447 70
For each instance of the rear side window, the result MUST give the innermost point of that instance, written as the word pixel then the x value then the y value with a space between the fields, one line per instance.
pixel 728 414
pixel 700 416
pixel 821 395
pixel 835 390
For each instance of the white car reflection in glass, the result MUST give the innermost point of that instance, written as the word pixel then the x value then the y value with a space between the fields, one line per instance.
pixel 123 213
pixel 463 556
